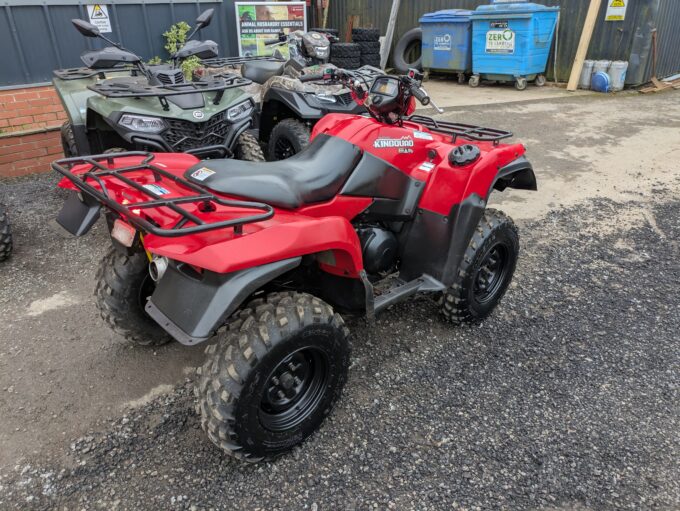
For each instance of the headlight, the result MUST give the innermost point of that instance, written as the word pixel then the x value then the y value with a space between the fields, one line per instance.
pixel 240 111
pixel 142 123
pixel 321 51
pixel 325 97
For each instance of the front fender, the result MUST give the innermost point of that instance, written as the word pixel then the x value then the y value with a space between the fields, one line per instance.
pixel 192 306
pixel 519 174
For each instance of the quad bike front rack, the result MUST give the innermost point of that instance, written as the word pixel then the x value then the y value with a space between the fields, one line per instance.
pixel 207 200
pixel 466 131
pixel 79 73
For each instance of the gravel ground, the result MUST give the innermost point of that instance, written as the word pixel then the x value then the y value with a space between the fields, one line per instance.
pixel 568 397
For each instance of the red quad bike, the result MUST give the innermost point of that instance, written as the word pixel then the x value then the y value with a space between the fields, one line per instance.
pixel 261 256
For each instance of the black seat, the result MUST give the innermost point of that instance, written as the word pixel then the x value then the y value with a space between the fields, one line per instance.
pixel 315 174
pixel 260 71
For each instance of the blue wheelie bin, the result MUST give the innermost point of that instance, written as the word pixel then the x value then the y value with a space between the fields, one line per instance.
pixel 511 42
pixel 447 41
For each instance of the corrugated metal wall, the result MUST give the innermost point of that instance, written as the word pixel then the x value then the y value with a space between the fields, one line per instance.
pixel 627 40
pixel 36 36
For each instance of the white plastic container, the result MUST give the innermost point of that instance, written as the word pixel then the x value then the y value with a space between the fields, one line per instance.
pixel 586 74
pixel 617 73
pixel 601 66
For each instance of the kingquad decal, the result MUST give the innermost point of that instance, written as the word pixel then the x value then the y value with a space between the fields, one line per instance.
pixel 404 144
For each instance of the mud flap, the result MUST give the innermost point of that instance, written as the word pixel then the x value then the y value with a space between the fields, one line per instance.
pixel 192 306
pixel 78 216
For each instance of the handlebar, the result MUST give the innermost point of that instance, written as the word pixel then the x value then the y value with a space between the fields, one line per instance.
pixel 269 42
pixel 420 94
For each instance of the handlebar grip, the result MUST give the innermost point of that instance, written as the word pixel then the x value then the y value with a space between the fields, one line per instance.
pixel 269 42
pixel 420 95
pixel 311 78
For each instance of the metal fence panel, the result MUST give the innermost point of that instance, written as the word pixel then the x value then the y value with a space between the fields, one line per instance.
pixel 36 36
pixel 627 40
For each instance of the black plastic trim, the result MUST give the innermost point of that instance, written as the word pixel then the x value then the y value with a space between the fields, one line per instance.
pixel 435 244
pixel 517 174
pixel 191 309
pixel 77 216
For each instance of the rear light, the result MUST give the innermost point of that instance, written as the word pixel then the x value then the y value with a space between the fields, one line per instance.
pixel 123 233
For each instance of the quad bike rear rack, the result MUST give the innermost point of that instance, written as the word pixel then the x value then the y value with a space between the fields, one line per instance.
pixel 466 131
pixel 201 195
pixel 218 62
pixel 218 83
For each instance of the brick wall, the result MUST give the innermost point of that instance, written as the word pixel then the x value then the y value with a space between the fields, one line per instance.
pixel 29 130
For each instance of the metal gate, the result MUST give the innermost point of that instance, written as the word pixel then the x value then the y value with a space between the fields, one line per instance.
pixel 36 36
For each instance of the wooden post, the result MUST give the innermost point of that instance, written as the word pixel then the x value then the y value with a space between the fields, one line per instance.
pixel 583 44
pixel 389 35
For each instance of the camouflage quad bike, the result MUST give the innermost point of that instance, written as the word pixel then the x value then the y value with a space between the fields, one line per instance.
pixel 289 108
pixel 118 102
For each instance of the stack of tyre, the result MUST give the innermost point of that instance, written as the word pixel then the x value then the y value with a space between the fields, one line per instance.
pixel 346 55
pixel 368 40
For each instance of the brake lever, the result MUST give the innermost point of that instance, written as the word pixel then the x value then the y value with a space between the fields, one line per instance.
pixel 435 107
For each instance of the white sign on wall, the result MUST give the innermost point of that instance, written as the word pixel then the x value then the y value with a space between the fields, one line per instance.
pixel 99 17
pixel 616 10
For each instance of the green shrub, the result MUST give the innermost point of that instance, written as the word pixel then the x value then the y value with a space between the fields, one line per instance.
pixel 175 38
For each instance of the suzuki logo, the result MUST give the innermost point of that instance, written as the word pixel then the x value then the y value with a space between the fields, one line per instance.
pixel 198 114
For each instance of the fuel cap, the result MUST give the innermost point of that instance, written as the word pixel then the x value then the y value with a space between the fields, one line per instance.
pixel 464 155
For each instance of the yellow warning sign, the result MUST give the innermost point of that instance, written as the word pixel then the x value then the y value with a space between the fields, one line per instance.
pixel 616 10
pixel 99 17
pixel 98 12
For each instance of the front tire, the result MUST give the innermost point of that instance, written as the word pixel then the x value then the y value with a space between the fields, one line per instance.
pixel 123 285
pixel 276 372
pixel 68 140
pixel 5 235
pixel 248 148
pixel 288 137
pixel 485 272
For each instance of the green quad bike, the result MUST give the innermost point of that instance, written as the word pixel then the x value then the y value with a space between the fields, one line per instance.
pixel 120 103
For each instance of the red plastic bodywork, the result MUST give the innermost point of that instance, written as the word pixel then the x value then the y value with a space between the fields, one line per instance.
pixel 324 229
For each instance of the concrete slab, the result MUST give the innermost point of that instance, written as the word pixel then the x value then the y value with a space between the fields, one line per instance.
pixel 448 93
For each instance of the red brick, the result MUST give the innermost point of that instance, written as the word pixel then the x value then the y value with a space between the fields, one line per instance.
pixel 20 121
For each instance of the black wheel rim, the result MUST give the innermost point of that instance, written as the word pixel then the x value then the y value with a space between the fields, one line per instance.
pixel 294 389
pixel 491 274
pixel 283 148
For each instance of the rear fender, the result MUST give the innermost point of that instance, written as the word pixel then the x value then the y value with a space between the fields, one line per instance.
pixel 284 237
pixel 192 306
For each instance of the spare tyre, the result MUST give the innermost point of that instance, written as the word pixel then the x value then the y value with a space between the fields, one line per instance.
pixel 407 52
pixel 365 34
pixel 368 47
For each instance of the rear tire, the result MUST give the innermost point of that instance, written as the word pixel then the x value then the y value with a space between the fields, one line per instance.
pixel 485 272
pixel 5 235
pixel 68 140
pixel 123 284
pixel 289 137
pixel 248 148
pixel 273 376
